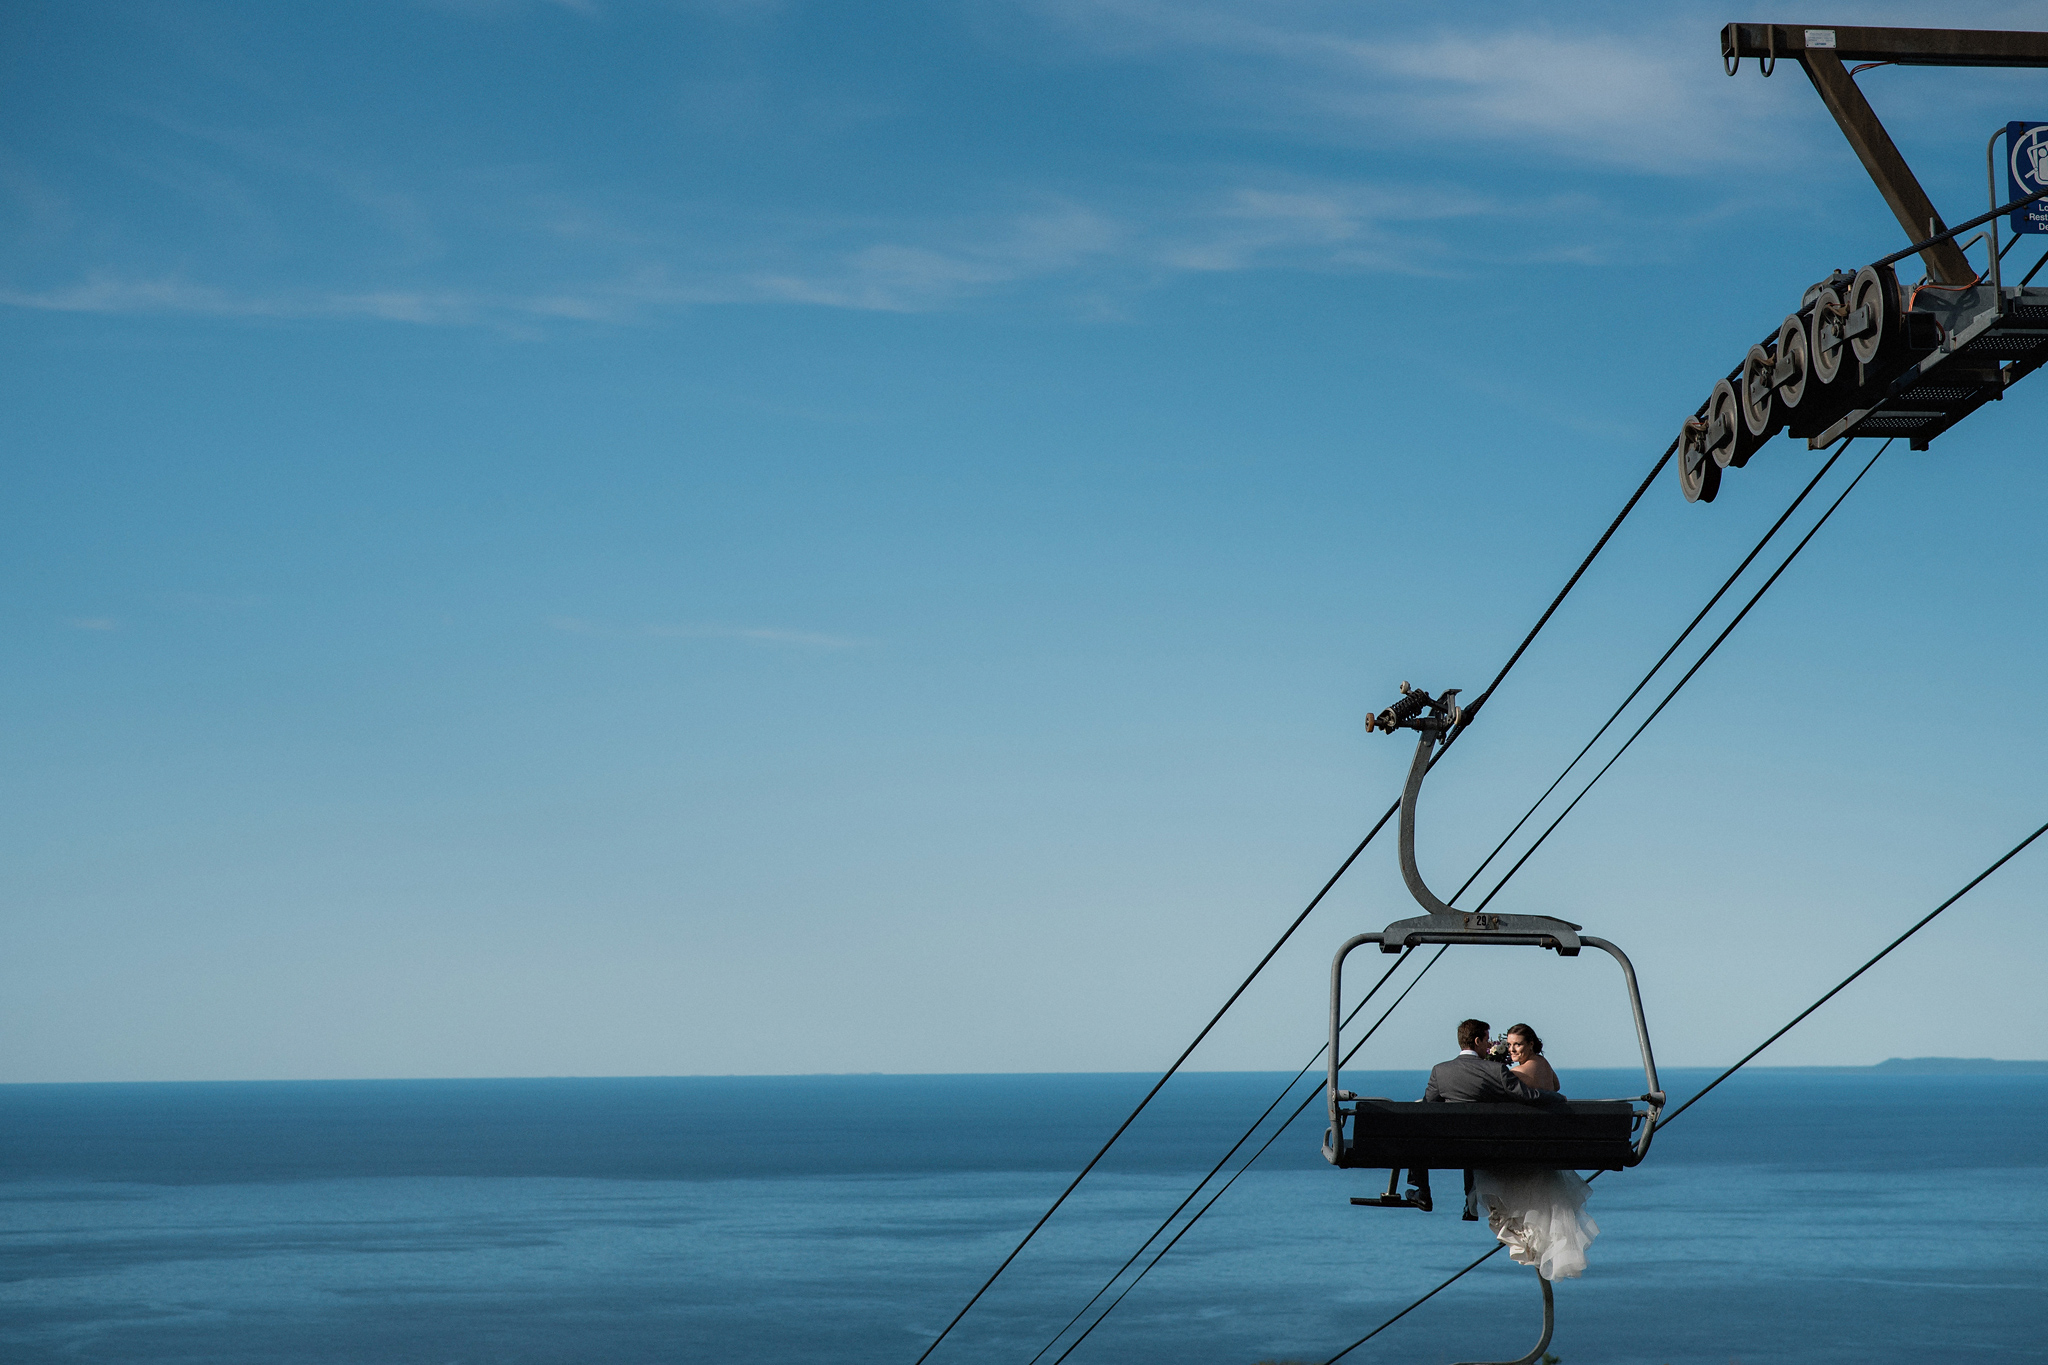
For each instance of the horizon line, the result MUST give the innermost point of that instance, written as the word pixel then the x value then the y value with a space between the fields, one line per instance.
pixel 1993 1063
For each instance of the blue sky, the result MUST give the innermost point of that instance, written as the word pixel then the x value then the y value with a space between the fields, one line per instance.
pixel 779 537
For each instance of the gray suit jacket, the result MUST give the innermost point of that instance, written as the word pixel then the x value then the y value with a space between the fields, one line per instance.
pixel 1482 1080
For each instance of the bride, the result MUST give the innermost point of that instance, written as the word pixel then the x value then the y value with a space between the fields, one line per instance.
pixel 1538 1213
pixel 1525 1058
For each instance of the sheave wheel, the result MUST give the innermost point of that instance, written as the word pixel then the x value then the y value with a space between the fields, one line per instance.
pixel 1793 363
pixel 1878 292
pixel 1758 403
pixel 1826 350
pixel 1728 440
pixel 1698 475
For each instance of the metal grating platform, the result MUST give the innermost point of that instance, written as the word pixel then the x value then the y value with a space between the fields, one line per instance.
pixel 1936 393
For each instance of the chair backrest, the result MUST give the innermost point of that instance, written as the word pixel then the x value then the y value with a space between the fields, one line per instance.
pixel 1578 1135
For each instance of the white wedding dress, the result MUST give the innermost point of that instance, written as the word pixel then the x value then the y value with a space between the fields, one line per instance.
pixel 1540 1215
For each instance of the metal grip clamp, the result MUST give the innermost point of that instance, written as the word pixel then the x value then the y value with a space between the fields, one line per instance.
pixel 1417 710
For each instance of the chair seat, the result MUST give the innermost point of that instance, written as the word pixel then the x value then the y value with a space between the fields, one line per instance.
pixel 1578 1135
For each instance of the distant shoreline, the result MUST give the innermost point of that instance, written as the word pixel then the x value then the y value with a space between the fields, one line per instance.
pixel 1935 1066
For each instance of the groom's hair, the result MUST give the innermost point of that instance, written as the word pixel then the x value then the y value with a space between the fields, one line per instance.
pixel 1471 1031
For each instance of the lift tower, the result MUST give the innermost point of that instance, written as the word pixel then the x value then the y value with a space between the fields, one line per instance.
pixel 1863 356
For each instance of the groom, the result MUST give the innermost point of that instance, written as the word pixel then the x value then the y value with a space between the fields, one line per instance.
pixel 1473 1077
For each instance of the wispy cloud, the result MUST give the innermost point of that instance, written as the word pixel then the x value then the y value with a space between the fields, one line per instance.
pixel 313 220
pixel 108 293
pixel 1357 226
pixel 217 601
pixel 913 266
pixel 42 211
pixel 619 301
pixel 498 9
pixel 1643 103
pixel 956 261
pixel 94 623
pixel 764 635
pixel 1654 99
pixel 767 635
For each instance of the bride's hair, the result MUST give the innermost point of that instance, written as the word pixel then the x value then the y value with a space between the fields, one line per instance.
pixel 1535 1043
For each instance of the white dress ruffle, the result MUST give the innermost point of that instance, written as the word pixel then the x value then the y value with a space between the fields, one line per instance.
pixel 1540 1215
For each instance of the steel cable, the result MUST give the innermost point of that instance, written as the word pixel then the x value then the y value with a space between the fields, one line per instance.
pixel 1245 1137
pixel 1159 1084
pixel 1678 686
pixel 1470 713
pixel 1747 1057
pixel 1284 1125
pixel 1697 664
pixel 1922 923
pixel 1683 635
pixel 1472 710
pixel 1662 659
pixel 1288 933
pixel 1467 884
pixel 1712 601
pixel 1225 1159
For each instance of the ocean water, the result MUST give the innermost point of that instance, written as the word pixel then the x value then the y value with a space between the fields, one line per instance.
pixel 1790 1217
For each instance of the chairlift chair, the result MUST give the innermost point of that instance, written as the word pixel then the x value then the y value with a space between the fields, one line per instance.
pixel 1371 1132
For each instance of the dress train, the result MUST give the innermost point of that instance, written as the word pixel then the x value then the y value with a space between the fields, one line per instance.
pixel 1540 1216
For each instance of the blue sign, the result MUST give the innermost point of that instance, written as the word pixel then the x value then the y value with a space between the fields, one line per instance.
pixel 2026 172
